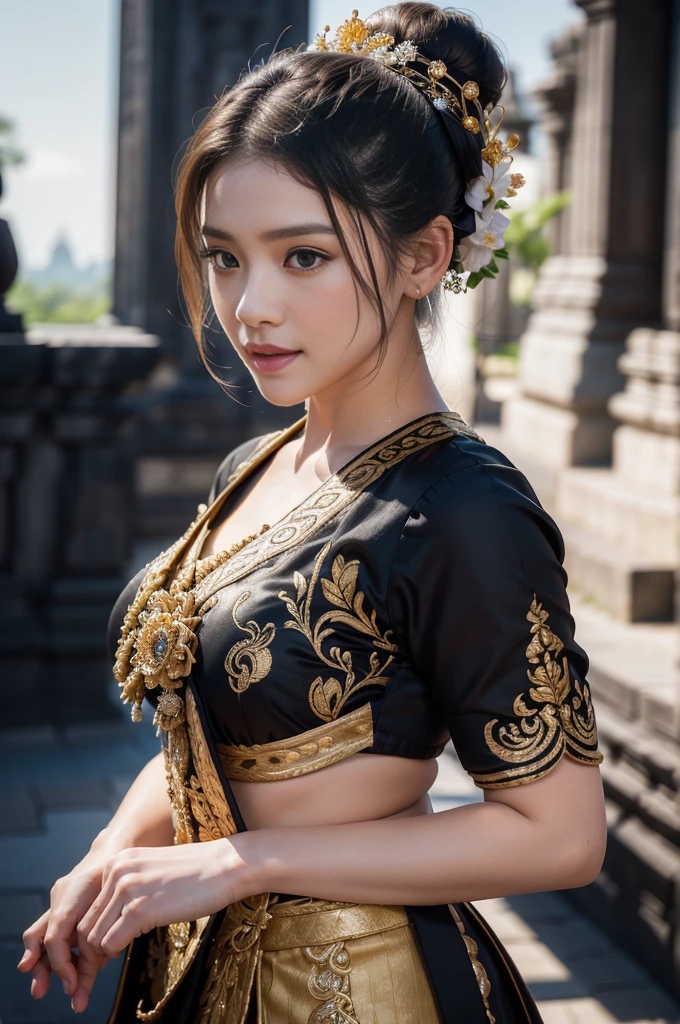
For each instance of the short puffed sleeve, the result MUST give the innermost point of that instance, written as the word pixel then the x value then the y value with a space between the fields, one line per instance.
pixel 478 600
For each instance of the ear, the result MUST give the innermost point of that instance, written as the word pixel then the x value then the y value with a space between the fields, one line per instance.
pixel 431 255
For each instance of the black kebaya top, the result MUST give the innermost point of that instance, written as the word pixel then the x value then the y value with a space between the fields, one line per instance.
pixel 417 594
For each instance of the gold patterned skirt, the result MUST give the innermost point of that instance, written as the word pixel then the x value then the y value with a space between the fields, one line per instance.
pixel 322 963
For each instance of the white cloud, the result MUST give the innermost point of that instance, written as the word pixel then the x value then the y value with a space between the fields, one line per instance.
pixel 50 165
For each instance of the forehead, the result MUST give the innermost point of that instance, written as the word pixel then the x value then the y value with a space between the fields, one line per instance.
pixel 254 192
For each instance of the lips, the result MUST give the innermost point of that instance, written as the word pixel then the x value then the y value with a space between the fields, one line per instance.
pixel 269 358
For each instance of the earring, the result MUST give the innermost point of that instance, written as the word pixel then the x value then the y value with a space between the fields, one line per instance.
pixel 418 292
pixel 453 282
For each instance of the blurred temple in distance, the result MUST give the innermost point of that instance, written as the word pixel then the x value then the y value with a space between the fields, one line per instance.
pixel 595 424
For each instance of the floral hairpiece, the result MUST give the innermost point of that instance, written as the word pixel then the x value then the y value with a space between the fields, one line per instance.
pixel 474 256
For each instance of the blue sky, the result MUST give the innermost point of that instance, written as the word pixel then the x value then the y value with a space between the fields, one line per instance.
pixel 58 82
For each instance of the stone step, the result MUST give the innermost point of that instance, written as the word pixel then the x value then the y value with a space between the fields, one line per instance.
pixel 656 758
pixel 630 586
pixel 635 518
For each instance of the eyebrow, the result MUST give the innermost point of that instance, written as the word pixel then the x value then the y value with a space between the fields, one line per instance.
pixel 294 231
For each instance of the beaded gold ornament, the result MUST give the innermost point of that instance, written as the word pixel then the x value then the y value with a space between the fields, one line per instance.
pixel 158 641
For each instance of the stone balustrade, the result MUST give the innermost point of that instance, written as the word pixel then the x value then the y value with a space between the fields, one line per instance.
pixel 67 512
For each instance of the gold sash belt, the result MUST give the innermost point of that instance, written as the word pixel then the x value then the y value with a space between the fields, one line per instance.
pixel 316 923
pixel 298 755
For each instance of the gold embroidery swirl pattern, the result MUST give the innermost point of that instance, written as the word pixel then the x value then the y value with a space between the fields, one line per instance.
pixel 328 697
pixel 249 660
pixel 563 723
pixel 329 981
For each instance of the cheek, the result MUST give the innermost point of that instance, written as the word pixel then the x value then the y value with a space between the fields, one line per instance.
pixel 224 296
pixel 341 324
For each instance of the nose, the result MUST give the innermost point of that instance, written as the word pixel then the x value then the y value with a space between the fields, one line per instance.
pixel 259 303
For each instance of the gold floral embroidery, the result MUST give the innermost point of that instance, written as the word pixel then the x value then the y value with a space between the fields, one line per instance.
pixel 329 981
pixel 174 947
pixel 200 812
pixel 481 977
pixel 250 660
pixel 565 722
pixel 234 961
pixel 206 794
pixel 328 697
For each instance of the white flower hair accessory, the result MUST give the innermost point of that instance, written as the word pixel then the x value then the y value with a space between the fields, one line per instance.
pixel 475 255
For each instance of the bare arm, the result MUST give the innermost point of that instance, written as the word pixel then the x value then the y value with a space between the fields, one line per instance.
pixel 550 834
pixel 144 818
pixel 547 835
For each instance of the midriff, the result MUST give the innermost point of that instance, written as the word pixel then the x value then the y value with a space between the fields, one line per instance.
pixel 363 787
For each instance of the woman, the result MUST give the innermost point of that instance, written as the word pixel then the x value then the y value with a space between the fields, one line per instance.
pixel 361 586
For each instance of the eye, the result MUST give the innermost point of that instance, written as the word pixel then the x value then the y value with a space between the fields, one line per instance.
pixel 307 259
pixel 220 258
pixel 223 260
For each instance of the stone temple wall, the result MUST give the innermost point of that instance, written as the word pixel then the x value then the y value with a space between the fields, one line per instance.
pixel 596 426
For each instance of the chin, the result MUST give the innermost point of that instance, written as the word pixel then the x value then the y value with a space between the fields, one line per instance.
pixel 281 392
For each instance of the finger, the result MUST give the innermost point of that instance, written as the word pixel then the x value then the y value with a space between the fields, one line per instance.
pixel 105 922
pixel 59 939
pixel 88 963
pixel 93 915
pixel 41 977
pixel 33 941
pixel 130 925
pixel 107 908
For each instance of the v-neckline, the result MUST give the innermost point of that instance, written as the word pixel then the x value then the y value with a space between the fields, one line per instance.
pixel 335 492
pixel 268 449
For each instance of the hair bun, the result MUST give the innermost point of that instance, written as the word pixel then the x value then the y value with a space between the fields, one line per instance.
pixel 452 37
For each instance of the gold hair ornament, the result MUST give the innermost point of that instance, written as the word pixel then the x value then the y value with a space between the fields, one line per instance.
pixel 474 257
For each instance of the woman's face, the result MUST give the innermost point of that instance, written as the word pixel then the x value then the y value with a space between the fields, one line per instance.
pixel 282 288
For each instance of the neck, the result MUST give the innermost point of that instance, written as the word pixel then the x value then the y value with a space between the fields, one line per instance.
pixel 344 420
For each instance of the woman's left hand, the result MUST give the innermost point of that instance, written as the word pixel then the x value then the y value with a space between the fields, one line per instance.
pixel 144 888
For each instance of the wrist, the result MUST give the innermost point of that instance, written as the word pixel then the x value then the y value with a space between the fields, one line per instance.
pixel 259 870
pixel 109 841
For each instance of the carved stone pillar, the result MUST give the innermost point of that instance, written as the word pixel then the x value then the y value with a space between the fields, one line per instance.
pixel 607 280
pixel 176 57
pixel 633 510
pixel 557 98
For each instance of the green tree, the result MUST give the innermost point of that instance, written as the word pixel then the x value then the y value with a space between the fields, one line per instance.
pixel 56 304
pixel 525 235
